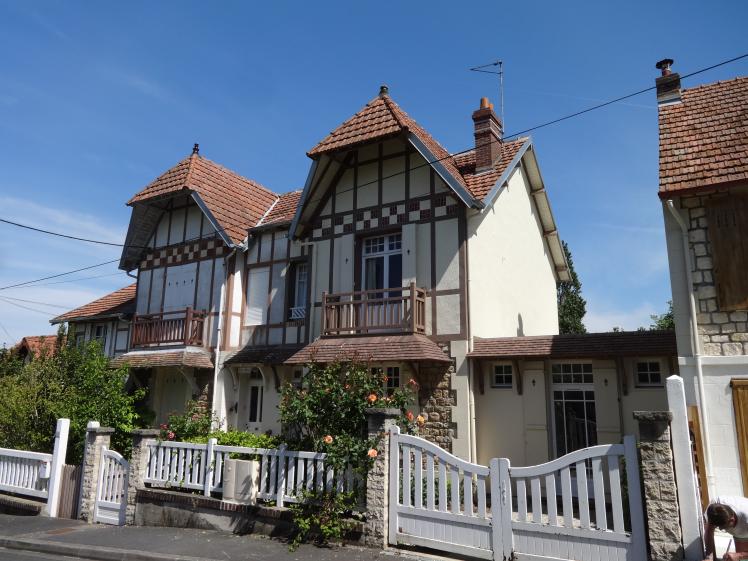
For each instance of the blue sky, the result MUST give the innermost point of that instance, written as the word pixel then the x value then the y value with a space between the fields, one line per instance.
pixel 98 98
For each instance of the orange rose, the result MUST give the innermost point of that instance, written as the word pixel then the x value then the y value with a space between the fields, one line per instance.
pixel 421 420
pixel 327 439
pixel 372 453
pixel 372 398
pixel 409 416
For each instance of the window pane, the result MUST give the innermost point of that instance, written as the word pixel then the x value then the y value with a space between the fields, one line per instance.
pixel 374 273
pixel 254 398
pixel 395 273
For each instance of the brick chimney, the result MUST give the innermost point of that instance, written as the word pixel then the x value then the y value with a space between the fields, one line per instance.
pixel 488 132
pixel 668 85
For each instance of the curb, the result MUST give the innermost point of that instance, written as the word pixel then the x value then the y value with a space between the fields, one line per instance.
pixel 83 551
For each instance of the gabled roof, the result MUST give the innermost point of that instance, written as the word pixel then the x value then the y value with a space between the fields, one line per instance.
pixel 480 185
pixel 235 202
pixel 120 301
pixel 704 138
pixel 37 344
pixel 379 119
pixel 586 345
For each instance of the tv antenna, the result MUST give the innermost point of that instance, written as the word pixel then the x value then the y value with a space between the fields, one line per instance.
pixel 490 68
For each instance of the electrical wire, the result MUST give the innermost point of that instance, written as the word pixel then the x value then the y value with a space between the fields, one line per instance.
pixel 37 302
pixel 88 240
pixel 120 273
pixel 58 274
pixel 7 333
pixel 25 307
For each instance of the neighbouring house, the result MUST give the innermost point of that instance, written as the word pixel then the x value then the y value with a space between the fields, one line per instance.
pixel 428 265
pixel 33 346
pixel 704 192
pixel 105 320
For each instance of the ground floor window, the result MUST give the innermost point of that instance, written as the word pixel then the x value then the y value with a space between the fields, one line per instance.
pixel 502 376
pixel 255 397
pixel 574 418
pixel 392 377
pixel 648 373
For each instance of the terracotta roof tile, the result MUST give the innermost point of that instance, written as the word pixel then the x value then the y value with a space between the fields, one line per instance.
pixel 481 184
pixel 382 118
pixel 704 138
pixel 38 344
pixel 273 354
pixel 588 345
pixel 120 301
pixel 180 357
pixel 380 348
pixel 237 203
pixel 283 209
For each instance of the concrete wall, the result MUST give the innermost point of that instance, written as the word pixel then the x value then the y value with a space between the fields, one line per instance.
pixel 511 274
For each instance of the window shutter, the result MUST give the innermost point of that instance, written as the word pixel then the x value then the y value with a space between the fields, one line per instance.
pixel 728 234
pixel 257 296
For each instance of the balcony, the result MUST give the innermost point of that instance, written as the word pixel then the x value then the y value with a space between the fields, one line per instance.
pixel 391 310
pixel 178 327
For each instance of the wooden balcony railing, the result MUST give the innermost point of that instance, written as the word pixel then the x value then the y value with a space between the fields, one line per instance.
pixel 179 327
pixel 391 310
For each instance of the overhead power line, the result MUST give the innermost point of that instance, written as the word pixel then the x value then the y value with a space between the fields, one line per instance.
pixel 59 235
pixel 26 307
pixel 73 280
pixel 58 274
pixel 37 302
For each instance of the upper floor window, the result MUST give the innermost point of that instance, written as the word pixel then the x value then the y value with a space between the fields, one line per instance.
pixel 572 373
pixel 383 262
pixel 258 289
pixel 80 339
pixel 502 376
pixel 298 285
pixel 648 373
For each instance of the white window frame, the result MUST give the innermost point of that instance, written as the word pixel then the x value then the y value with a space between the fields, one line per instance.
pixel 100 338
pixel 494 375
pixel 298 309
pixel 393 372
pixel 392 244
pixel 572 372
pixel 256 379
pixel 649 362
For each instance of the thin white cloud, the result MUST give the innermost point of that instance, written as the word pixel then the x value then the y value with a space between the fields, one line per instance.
pixel 138 83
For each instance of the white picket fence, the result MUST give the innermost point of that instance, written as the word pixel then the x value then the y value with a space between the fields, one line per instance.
pixel 284 474
pixel 36 474
pixel 442 502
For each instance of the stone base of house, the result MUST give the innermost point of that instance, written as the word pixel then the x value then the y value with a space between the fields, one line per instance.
pixel 436 399
pixel 185 510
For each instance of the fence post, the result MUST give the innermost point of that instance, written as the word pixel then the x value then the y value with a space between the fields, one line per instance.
pixel 281 488
pixel 210 466
pixel 688 500
pixel 663 533
pixel 633 482
pixel 141 440
pixel 501 509
pixel 96 439
pixel 58 461
pixel 382 422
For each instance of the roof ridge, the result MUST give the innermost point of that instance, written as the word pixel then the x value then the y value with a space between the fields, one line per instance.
pixel 189 168
pixel 388 103
pixel 270 208
pixel 717 83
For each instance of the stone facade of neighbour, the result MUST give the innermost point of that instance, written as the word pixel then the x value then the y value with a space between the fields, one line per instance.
pixel 436 399
pixel 722 332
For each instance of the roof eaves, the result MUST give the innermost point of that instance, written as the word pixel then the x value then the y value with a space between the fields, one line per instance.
pixel 209 215
pixel 506 174
pixel 303 199
pixel 456 186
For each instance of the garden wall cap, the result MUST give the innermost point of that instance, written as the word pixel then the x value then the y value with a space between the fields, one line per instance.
pixel 653 416
pixel 145 432
pixel 100 430
pixel 383 411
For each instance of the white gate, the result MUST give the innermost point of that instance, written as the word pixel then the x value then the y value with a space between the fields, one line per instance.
pixel 538 512
pixel 111 493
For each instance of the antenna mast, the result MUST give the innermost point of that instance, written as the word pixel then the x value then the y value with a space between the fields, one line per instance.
pixel 500 65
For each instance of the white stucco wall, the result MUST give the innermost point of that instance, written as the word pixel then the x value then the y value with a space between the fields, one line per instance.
pixel 511 279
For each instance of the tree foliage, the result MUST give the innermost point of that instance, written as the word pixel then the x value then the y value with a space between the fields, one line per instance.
pixel 571 305
pixel 74 383
pixel 663 321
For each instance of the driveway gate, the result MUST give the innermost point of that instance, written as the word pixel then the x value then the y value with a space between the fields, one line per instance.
pixel 548 511
pixel 111 493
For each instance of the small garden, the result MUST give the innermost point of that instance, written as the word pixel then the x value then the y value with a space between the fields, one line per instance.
pixel 325 413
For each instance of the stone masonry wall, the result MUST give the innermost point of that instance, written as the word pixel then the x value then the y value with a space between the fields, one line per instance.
pixel 436 399
pixel 722 333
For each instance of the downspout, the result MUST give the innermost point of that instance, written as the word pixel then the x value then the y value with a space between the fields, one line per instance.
pixel 215 425
pixel 471 386
pixel 694 326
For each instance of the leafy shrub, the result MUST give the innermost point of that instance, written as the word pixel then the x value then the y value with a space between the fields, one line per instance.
pixel 197 421
pixel 327 514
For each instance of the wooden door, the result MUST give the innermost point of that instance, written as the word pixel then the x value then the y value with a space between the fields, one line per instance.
pixel 740 404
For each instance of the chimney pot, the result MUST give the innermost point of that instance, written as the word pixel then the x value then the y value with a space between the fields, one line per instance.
pixel 668 84
pixel 484 103
pixel 384 90
pixel 196 148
